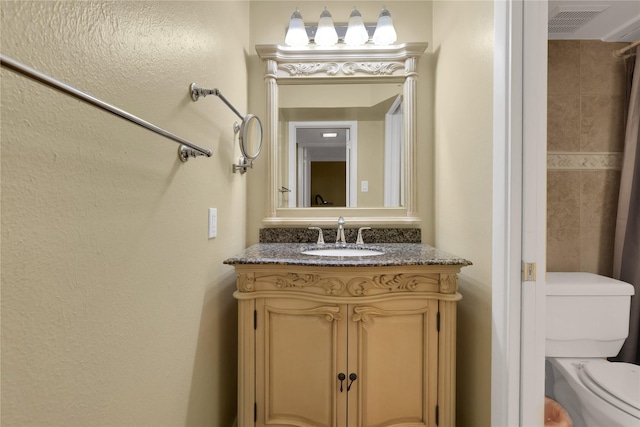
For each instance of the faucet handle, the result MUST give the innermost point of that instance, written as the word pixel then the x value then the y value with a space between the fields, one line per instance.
pixel 340 240
pixel 360 241
pixel 320 237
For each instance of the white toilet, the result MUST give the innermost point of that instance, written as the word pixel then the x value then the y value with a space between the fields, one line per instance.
pixel 587 321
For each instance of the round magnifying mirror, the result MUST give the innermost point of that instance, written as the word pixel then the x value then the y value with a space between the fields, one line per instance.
pixel 250 137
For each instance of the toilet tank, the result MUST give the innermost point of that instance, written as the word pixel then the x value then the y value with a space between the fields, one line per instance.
pixel 587 315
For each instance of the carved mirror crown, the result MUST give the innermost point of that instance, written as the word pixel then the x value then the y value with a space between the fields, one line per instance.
pixel 341 64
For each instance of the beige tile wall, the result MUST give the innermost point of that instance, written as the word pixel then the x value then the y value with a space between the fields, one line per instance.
pixel 585 124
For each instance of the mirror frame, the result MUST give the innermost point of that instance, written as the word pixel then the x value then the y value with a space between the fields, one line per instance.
pixel 341 64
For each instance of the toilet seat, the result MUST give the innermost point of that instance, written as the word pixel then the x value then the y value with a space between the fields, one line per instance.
pixel 616 382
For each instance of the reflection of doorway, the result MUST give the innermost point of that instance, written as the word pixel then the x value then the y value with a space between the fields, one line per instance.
pixel 323 161
pixel 328 183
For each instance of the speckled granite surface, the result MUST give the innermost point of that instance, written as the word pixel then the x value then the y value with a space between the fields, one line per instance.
pixel 395 254
pixel 375 235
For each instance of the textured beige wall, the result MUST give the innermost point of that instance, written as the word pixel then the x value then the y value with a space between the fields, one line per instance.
pixel 586 115
pixel 413 22
pixel 371 163
pixel 116 308
pixel 463 46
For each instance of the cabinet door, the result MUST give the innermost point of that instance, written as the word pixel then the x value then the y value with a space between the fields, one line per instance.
pixel 300 349
pixel 393 350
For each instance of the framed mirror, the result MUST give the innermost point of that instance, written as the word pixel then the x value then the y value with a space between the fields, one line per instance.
pixel 341 134
pixel 342 145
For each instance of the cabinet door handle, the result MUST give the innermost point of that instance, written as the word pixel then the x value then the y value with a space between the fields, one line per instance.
pixel 341 377
pixel 352 377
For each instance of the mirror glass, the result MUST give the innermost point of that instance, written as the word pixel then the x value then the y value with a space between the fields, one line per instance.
pixel 341 145
pixel 250 137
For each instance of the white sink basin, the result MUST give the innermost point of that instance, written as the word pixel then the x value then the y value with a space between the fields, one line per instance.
pixel 350 252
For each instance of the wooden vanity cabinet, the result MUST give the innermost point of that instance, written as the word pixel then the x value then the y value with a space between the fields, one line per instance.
pixel 346 346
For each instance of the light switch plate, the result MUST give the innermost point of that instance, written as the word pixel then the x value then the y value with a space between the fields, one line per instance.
pixel 364 186
pixel 213 223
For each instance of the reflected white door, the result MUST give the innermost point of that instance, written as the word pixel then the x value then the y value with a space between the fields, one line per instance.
pixel 302 153
pixel 393 155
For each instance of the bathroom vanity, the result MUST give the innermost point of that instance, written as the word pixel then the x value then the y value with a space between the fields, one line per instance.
pixel 346 340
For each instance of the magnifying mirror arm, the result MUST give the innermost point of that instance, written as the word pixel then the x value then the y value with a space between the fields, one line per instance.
pixel 250 130
pixel 197 92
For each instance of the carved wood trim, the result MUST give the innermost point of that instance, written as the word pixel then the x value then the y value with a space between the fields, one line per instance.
pixel 448 283
pixel 245 282
pixel 246 362
pixel 392 282
pixel 344 68
pixel 447 363
pixel 332 285
pixel 374 68
pixel 365 313
pixel 330 313
pixel 356 286
pixel 306 69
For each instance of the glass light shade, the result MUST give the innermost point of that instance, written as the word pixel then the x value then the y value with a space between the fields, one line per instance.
pixel 356 32
pixel 296 34
pixel 385 33
pixel 326 34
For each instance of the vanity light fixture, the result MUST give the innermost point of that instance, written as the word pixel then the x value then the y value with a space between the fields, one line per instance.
pixel 385 33
pixel 326 34
pixel 296 34
pixel 357 34
pixel 329 134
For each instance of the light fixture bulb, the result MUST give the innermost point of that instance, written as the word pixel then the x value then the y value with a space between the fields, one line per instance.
pixel 356 32
pixel 385 33
pixel 326 34
pixel 296 34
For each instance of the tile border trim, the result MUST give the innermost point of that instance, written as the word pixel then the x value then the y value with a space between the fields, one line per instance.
pixel 584 161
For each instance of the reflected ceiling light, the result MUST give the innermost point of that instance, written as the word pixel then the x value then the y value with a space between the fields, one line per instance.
pixel 329 134
pixel 357 34
pixel 326 34
pixel 296 34
pixel 385 34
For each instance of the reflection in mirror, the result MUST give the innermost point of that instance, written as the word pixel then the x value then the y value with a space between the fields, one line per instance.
pixel 341 145
pixel 323 160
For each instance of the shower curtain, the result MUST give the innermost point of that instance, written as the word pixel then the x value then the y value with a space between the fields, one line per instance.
pixel 626 256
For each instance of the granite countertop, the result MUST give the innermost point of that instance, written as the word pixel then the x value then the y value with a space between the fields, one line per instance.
pixel 395 254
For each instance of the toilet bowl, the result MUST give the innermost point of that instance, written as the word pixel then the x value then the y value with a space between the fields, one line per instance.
pixel 587 321
pixel 595 392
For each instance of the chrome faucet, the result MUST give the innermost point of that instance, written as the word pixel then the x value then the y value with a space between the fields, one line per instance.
pixel 320 237
pixel 340 240
pixel 359 240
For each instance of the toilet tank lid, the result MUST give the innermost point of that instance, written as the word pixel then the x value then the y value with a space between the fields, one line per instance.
pixel 580 283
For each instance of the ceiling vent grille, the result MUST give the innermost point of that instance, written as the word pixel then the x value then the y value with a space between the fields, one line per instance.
pixel 567 19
